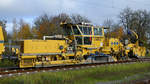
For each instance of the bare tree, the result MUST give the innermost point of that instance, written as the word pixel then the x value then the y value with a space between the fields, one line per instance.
pixel 50 25
pixel 24 30
pixel 56 20
pixel 138 20
pixel 126 17
pixel 15 31
pixel 77 18
pixel 43 26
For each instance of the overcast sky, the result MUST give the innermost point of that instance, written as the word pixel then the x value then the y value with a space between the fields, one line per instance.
pixel 96 10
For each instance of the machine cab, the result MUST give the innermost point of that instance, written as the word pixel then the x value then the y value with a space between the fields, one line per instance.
pixel 85 35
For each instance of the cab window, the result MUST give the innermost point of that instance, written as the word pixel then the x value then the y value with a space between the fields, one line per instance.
pixel 76 31
pixel 98 31
pixel 86 30
pixel 87 40
pixel 79 40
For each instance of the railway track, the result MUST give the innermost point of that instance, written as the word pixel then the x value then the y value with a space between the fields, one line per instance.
pixel 13 71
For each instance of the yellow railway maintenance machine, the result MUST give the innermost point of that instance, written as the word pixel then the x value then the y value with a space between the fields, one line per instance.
pixel 81 43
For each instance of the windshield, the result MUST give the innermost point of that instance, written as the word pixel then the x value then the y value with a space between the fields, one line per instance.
pixel 86 30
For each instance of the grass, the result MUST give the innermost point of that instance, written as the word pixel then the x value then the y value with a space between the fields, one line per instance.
pixel 7 63
pixel 82 76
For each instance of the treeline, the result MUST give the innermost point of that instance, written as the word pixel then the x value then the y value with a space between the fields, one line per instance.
pixel 136 20
pixel 46 25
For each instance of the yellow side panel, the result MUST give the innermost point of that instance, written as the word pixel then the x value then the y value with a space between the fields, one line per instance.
pixel 111 43
pixel 1 34
pixel 43 46
pixel 140 51
pixel 98 41
pixel 115 43
pixel 1 47
pixel 1 41
pixel 28 57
